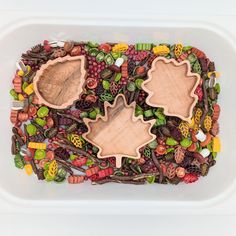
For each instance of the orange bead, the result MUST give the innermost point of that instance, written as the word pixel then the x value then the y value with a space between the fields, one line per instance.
pixel 193 136
pixel 192 148
pixel 50 122
pixel 161 150
pixel 206 141
pixel 22 116
pixel 32 110
pixel 50 155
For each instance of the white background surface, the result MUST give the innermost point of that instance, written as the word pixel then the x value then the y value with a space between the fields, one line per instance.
pixel 22 223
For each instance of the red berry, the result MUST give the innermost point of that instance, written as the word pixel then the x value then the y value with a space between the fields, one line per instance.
pixel 190 178
pixel 47 47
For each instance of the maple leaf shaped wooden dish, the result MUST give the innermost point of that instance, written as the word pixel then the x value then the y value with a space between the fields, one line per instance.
pixel 171 85
pixel 119 133
pixel 60 82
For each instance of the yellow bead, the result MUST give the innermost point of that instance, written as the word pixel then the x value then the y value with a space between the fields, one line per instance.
pixel 216 144
pixel 28 169
pixel 192 123
pixel 161 50
pixel 216 74
pixel 53 168
pixel 120 47
pixel 21 97
pixel 20 73
pixel 29 89
pixel 35 145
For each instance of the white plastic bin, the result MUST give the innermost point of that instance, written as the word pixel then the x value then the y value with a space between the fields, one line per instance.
pixel 217 45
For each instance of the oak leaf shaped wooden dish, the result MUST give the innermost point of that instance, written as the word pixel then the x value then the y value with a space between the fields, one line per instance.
pixel 119 133
pixel 171 85
pixel 60 82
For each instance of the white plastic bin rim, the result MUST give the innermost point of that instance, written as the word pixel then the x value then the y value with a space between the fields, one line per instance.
pixel 21 35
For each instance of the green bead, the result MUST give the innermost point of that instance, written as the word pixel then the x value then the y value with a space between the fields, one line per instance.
pixel 153 144
pixel 83 114
pixel 46 165
pixel 62 173
pixel 106 84
pixel 95 149
pixel 100 56
pixel 197 67
pixel 14 94
pixel 106 97
pixel 92 114
pixel 217 88
pixel 89 162
pixel 138 110
pixel 186 143
pixel 73 157
pixel 118 77
pixel 40 121
pixel 131 87
pixel 148 113
pixel 116 55
pixel 192 58
pixel 171 142
pixel 92 44
pixel 39 154
pixel 58 179
pixel 19 162
pixel 159 114
pixel 93 52
pixel 160 122
pixel 168 150
pixel 186 48
pixel 42 111
pixel 109 59
pixel 138 83
pixel 31 129
pixel 24 85
pixel 151 179
pixel 147 152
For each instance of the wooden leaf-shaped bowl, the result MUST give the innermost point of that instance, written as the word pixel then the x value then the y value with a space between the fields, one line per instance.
pixel 171 85
pixel 60 82
pixel 119 133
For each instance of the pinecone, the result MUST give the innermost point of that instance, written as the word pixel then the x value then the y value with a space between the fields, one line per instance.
pixel 179 154
pixel 82 128
pixel 65 121
pixel 37 138
pixel 37 48
pixel 187 161
pixel 62 153
pixel 84 105
pixel 131 67
pixel 99 89
pixel 40 174
pixel 204 169
pixel 193 169
pixel 170 172
pixel 114 88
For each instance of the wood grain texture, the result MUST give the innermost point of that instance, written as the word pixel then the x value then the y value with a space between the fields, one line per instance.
pixel 60 82
pixel 119 133
pixel 171 85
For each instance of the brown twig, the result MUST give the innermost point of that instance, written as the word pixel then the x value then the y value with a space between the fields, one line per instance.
pixel 104 181
pixel 205 99
pixel 135 177
pixel 69 165
pixel 157 164
pixel 70 117
pixel 74 149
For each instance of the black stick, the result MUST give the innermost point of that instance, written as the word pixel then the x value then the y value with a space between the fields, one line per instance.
pixel 157 164
pixel 104 181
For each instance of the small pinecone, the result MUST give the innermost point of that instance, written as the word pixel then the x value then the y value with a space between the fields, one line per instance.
pixel 114 88
pixel 84 105
pixel 187 161
pixel 131 67
pixel 65 121
pixel 147 166
pixel 37 138
pixel 176 134
pixel 82 128
pixel 204 169
pixel 175 180
pixel 170 172
pixel 37 48
pixel 179 154
pixel 193 169
pixel 99 89
pixel 169 156
pixel 62 153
